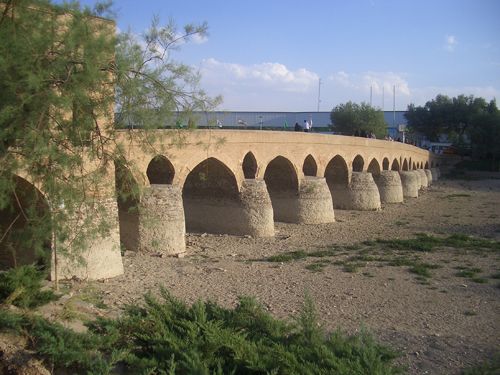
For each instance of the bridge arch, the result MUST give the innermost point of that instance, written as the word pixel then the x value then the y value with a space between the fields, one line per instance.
pixel 28 213
pixel 160 171
pixel 405 165
pixel 385 164
pixel 395 165
pixel 310 167
pixel 374 167
pixel 249 166
pixel 358 163
pixel 211 199
pixel 337 178
pixel 283 185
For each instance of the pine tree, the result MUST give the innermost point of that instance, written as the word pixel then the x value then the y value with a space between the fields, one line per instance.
pixel 63 72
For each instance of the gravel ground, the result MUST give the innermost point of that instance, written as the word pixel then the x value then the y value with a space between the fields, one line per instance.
pixel 440 327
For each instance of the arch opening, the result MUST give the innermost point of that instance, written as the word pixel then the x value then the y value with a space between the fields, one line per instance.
pixel 25 227
pixel 160 171
pixel 337 179
pixel 426 165
pixel 127 199
pixel 385 164
pixel 310 168
pixel 374 167
pixel 282 184
pixel 249 166
pixel 405 165
pixel 358 163
pixel 395 165
pixel 210 197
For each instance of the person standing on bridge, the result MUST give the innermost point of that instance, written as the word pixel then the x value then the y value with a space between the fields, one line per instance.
pixel 306 126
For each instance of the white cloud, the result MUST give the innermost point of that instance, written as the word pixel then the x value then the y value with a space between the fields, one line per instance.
pixel 450 43
pixel 273 76
pixel 356 87
pixel 267 86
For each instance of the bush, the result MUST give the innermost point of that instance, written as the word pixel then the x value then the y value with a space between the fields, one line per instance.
pixel 21 287
pixel 169 337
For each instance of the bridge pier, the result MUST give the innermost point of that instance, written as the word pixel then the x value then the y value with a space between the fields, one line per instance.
pixel 257 208
pixel 389 187
pixel 434 172
pixel 315 204
pixel 100 256
pixel 428 173
pixel 161 223
pixel 423 178
pixel 363 192
pixel 410 182
pixel 340 196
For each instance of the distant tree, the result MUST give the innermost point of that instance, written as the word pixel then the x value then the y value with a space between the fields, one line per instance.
pixel 63 71
pixel 485 135
pixel 443 115
pixel 350 117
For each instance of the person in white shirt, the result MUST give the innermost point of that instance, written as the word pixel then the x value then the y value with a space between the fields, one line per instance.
pixel 307 126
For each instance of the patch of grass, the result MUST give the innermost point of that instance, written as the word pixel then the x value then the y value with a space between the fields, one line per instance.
pixel 422 242
pixel 423 269
pixel 352 267
pixel 495 275
pixel 479 280
pixel 425 243
pixel 323 253
pixel 467 271
pixel 401 222
pixel 167 336
pixel 287 257
pixel 470 313
pixel 316 267
pixel 458 195
pixel 402 261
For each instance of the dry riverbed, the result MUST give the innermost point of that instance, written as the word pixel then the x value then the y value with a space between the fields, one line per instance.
pixel 441 319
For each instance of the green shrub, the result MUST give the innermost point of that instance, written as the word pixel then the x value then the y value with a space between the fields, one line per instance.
pixel 168 337
pixel 21 287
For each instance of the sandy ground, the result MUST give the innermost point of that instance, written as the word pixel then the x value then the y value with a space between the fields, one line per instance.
pixel 439 328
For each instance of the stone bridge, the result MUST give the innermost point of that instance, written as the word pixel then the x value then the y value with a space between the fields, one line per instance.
pixel 241 182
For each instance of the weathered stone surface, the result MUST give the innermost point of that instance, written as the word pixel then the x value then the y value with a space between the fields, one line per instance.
pixel 428 173
pixel 161 220
pixel 410 182
pixel 363 192
pixel 434 172
pixel 257 208
pixel 315 204
pixel 389 187
pixel 101 257
pixel 423 178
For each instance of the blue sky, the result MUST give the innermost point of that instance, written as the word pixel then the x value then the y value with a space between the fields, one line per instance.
pixel 269 55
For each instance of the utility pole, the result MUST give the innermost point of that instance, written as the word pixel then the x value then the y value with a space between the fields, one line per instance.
pixel 394 106
pixel 383 104
pixel 319 92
